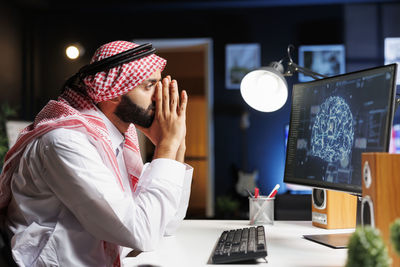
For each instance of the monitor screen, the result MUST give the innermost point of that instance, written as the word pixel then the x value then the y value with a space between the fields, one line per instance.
pixel 333 121
pixel 294 188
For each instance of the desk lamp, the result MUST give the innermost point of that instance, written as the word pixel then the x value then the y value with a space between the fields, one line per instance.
pixel 265 89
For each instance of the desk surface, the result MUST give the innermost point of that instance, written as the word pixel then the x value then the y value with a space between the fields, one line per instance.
pixel 193 243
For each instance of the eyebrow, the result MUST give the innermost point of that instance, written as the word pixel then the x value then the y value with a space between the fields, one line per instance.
pixel 151 80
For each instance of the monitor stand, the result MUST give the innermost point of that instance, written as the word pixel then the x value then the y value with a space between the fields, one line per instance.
pixel 336 240
pixel 331 240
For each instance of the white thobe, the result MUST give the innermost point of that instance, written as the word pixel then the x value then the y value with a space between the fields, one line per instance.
pixel 65 201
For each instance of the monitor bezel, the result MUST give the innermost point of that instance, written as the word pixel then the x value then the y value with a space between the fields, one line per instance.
pixel 354 189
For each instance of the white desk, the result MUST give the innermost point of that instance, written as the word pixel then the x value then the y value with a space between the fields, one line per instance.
pixel 194 241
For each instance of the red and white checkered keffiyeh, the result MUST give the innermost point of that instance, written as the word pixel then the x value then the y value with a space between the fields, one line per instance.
pixel 121 79
pixel 75 111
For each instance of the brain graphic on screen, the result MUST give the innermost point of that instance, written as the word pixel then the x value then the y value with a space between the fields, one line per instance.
pixel 332 133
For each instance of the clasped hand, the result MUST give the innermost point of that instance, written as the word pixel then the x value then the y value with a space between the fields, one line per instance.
pixel 168 129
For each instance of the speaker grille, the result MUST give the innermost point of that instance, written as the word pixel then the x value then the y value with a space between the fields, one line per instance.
pixel 319 198
pixel 367 175
pixel 367 212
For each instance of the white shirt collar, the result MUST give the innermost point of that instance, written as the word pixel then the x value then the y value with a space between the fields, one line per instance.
pixel 117 139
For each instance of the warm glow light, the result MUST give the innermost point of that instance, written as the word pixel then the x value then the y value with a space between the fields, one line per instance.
pixel 264 90
pixel 72 52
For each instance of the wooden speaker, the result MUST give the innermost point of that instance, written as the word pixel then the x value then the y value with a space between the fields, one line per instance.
pixel 333 209
pixel 380 194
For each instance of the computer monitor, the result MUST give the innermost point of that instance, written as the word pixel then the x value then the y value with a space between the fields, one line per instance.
pixel 294 188
pixel 392 52
pixel 333 121
pixel 395 140
pixel 13 129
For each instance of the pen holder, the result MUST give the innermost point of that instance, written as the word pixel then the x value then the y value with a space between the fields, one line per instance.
pixel 261 210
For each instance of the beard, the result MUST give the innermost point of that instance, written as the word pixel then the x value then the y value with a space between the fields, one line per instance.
pixel 130 112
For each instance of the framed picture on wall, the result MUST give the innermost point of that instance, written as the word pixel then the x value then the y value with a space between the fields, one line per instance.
pixel 324 59
pixel 240 59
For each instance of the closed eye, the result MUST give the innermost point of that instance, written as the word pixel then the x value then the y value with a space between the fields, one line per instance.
pixel 151 85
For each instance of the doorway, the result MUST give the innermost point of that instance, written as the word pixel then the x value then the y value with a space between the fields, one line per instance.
pixel 190 62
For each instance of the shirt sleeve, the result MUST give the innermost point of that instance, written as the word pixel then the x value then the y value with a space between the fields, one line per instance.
pixel 174 224
pixel 73 169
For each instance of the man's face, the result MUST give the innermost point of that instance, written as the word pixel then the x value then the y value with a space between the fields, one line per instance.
pixel 138 106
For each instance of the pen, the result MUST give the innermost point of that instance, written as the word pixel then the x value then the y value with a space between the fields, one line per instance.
pixel 256 192
pixel 274 191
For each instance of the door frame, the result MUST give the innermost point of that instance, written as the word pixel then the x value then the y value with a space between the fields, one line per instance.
pixel 207 45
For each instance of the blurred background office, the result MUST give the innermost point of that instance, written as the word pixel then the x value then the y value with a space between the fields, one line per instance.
pixel 231 145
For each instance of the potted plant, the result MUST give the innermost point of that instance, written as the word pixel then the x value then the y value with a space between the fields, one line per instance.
pixel 395 235
pixel 5 112
pixel 227 207
pixel 367 249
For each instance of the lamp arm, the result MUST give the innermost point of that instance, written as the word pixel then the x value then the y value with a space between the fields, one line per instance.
pixel 292 67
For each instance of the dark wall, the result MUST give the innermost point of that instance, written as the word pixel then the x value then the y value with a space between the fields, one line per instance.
pixel 273 28
pixel 360 27
pixel 11 55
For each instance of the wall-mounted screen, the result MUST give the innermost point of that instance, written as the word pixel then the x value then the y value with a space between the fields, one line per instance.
pixel 395 139
pixel 392 52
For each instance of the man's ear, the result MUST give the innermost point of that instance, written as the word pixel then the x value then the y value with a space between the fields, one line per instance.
pixel 116 100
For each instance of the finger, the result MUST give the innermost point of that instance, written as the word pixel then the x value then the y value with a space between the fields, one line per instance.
pixel 159 102
pixel 165 95
pixel 169 78
pixel 183 103
pixel 174 95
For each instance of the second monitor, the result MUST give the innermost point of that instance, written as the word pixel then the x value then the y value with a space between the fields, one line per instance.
pixel 333 121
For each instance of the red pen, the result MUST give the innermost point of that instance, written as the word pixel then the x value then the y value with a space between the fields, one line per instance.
pixel 274 191
pixel 256 192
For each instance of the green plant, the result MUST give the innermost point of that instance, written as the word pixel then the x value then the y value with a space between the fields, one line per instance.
pixel 5 112
pixel 395 235
pixel 367 249
pixel 227 206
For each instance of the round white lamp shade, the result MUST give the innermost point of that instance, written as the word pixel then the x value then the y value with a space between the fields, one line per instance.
pixel 264 89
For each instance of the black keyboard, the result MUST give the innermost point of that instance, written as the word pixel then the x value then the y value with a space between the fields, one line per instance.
pixel 240 245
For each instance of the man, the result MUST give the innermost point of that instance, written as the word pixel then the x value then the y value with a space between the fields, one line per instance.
pixel 74 188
